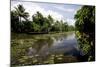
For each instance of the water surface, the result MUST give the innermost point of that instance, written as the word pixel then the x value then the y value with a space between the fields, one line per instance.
pixel 44 49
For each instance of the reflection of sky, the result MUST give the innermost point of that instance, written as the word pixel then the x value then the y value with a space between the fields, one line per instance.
pixel 59 12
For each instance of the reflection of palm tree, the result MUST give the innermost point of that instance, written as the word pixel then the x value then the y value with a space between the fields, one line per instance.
pixel 20 12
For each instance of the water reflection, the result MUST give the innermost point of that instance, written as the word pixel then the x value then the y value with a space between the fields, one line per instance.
pixel 46 49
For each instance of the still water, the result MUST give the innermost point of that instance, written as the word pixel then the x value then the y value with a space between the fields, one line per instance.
pixel 44 49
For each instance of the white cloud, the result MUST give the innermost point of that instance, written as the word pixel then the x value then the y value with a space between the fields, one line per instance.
pixel 55 15
pixel 65 9
pixel 71 21
pixel 60 8
pixel 70 10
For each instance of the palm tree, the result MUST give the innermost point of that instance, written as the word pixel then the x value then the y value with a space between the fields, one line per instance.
pixel 20 12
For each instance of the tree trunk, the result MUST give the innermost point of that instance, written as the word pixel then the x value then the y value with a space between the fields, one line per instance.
pixel 19 19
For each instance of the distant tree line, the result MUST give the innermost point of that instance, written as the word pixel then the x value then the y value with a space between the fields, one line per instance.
pixel 21 24
pixel 85 27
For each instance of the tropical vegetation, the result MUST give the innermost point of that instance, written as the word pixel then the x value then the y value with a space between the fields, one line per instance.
pixel 39 24
pixel 85 31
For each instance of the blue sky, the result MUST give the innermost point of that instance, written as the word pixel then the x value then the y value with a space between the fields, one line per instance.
pixel 59 12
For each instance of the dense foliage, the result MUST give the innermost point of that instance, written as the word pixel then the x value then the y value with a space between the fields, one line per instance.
pixel 85 26
pixel 39 24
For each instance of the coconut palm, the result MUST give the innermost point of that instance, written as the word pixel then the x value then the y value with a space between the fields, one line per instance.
pixel 20 12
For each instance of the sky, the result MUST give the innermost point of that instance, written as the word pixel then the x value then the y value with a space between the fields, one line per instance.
pixel 59 12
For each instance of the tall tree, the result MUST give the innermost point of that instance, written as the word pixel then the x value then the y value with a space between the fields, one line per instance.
pixel 38 19
pixel 85 26
pixel 14 21
pixel 85 19
pixel 50 22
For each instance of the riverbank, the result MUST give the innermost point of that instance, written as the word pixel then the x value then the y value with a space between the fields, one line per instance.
pixel 23 35
pixel 13 33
